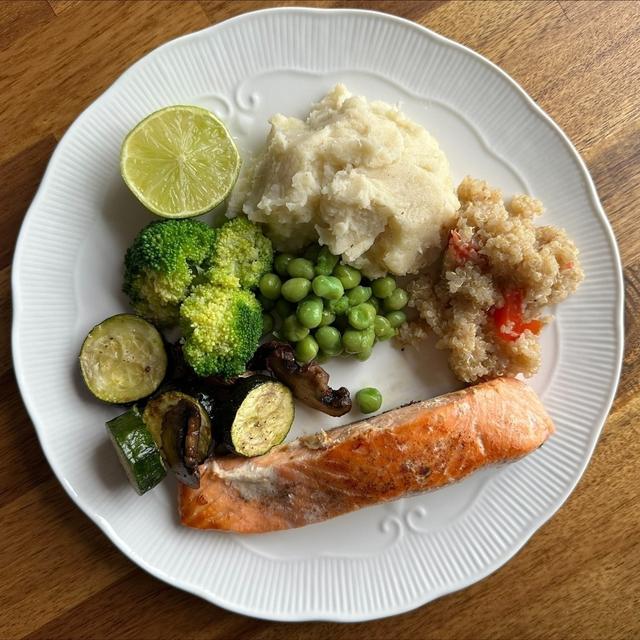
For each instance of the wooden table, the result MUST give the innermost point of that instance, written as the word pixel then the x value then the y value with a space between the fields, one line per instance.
pixel 579 575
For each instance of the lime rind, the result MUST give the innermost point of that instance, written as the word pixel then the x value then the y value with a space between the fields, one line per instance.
pixel 180 161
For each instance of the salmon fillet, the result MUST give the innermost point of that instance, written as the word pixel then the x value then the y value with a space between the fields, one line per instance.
pixel 415 448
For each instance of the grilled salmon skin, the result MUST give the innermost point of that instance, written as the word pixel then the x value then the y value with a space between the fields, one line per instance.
pixel 415 448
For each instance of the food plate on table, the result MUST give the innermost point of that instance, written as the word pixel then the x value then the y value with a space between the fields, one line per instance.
pixel 387 558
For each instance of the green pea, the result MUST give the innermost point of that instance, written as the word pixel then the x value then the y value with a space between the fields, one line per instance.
pixel 369 338
pixel 328 287
pixel 309 312
pixel 328 317
pixel 355 341
pixel 375 302
pixel 338 352
pixel 363 355
pixel 329 340
pixel 283 308
pixel 339 307
pixel 352 341
pixel 325 262
pixel 383 287
pixel 361 316
pixel 369 400
pixel 292 330
pixel 265 303
pixel 382 328
pixel 396 318
pixel 295 289
pixel 312 251
pixel 322 357
pixel 280 263
pixel 267 323
pixel 269 286
pixel 397 300
pixel 300 268
pixel 306 349
pixel 358 295
pixel 349 276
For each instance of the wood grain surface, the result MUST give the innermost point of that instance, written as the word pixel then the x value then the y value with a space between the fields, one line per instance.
pixel 579 576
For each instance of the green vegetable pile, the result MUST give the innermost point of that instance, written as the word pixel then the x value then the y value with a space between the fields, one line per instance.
pixel 184 272
pixel 326 308
pixel 225 290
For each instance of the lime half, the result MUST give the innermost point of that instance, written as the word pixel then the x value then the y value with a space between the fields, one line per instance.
pixel 180 162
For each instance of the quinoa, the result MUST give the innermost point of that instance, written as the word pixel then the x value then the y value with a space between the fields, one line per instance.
pixel 486 298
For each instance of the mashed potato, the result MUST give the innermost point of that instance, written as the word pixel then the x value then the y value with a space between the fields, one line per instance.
pixel 498 273
pixel 359 177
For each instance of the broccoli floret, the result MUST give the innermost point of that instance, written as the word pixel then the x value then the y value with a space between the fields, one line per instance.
pixel 161 264
pixel 241 249
pixel 222 325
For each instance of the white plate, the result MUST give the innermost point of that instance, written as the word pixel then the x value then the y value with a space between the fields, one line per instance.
pixel 67 274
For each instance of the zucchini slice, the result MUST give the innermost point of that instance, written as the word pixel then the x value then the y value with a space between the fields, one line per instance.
pixel 181 428
pixel 123 359
pixel 137 450
pixel 256 415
